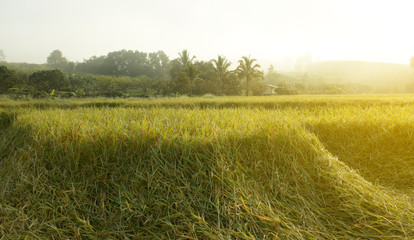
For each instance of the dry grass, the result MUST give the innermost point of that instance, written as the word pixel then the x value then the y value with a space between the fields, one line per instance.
pixel 262 168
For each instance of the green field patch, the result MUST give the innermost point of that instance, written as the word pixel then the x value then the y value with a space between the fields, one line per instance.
pixel 376 141
pixel 178 173
pixel 302 102
pixel 6 118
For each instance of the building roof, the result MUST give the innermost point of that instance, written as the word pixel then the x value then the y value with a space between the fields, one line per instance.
pixel 272 86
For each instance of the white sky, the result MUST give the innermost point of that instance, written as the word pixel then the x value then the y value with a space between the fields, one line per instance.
pixel 366 30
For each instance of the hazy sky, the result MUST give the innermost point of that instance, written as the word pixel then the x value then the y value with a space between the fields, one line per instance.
pixel 367 30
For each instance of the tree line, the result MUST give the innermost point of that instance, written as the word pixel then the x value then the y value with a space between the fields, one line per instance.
pixel 127 73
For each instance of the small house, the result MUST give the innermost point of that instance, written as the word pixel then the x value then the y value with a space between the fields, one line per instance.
pixel 270 90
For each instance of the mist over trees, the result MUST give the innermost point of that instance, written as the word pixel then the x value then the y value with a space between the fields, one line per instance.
pixel 2 56
pixel 56 60
pixel 127 73
pixel 127 63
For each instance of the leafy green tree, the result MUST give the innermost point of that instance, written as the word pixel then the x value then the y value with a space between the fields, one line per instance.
pixel 258 87
pixel 159 64
pixel 206 81
pixel 231 84
pixel 249 71
pixel 48 80
pixel 57 60
pixel 70 67
pixel 128 63
pixel 8 79
pixel 82 84
pixel 108 86
pixel 93 65
pixel 180 82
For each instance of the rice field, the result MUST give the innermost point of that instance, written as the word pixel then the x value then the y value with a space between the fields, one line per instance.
pixel 293 167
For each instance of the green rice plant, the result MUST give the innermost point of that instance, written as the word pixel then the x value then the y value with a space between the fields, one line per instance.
pixel 6 118
pixel 270 102
pixel 376 141
pixel 184 170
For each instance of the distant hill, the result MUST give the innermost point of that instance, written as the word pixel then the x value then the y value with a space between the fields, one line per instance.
pixel 372 73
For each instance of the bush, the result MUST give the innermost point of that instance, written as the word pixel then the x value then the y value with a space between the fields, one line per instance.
pixel 8 79
pixel 48 80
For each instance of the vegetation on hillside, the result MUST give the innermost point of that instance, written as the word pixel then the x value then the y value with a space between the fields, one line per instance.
pixel 127 73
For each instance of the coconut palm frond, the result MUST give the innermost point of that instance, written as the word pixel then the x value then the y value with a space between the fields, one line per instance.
pixel 247 70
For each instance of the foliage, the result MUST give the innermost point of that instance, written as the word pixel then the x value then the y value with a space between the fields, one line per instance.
pixel 93 65
pixel 249 71
pixel 258 87
pixel 160 64
pixel 205 82
pixel 184 72
pixel 192 74
pixel 222 76
pixel 231 85
pixel 48 80
pixel 56 60
pixel 8 79
pixel 180 82
pixel 139 74
pixel 127 63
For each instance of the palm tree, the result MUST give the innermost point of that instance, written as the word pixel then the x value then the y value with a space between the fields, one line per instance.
pixel 185 59
pixel 188 68
pixel 221 66
pixel 247 70
pixel 192 74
